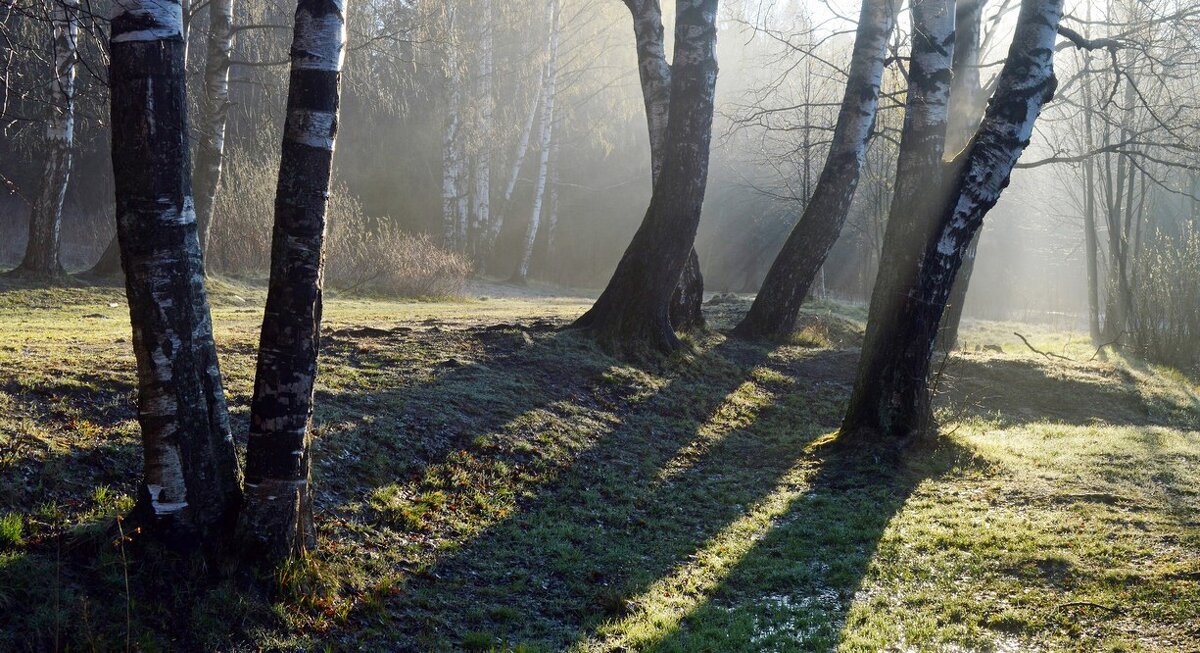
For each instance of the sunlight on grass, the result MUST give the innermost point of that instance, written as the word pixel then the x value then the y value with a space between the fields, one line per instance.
pixel 658 611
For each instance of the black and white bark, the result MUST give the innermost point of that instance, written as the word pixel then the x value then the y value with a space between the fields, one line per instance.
pixel 497 222
pixel 191 486
pixel 654 73
pixel 967 103
pixel 545 144
pixel 777 305
pixel 917 201
pixel 454 159
pixel 893 404
pixel 481 171
pixel 45 218
pixel 276 520
pixel 214 114
pixel 633 312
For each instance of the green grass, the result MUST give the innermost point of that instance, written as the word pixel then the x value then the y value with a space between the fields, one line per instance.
pixel 515 489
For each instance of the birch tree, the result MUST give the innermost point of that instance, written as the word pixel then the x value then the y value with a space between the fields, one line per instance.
pixel 893 404
pixel 191 485
pixel 276 519
pixel 654 73
pixel 777 304
pixel 45 219
pixel 481 172
pixel 214 113
pixel 966 108
pixel 918 195
pixel 454 192
pixel 546 131
pixel 633 312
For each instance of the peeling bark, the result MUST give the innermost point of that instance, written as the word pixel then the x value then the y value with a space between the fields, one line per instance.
pixel 777 305
pixel 191 486
pixel 896 409
pixel 276 520
pixel 633 312
pixel 45 219
pixel 214 113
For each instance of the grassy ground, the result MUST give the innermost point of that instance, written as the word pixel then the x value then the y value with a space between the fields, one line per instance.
pixel 489 483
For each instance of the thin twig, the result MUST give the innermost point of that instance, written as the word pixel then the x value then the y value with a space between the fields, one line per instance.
pixel 1039 351
pixel 1089 604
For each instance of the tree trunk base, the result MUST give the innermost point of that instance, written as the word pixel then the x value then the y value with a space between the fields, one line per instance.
pixel 276 522
pixel 625 334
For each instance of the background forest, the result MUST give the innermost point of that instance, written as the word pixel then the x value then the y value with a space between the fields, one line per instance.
pixel 438 95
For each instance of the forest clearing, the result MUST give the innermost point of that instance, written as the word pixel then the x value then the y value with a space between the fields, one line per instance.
pixel 693 326
pixel 486 482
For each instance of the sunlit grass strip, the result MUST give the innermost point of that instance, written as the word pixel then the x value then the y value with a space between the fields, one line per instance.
pixel 657 612
pixel 739 409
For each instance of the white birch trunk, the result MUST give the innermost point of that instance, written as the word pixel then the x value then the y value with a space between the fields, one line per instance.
pixel 191 483
pixel 481 196
pixel 453 198
pixel 546 131
pixel 214 114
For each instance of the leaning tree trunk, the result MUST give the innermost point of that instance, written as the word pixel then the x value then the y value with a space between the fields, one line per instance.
pixel 655 74
pixel 191 485
pixel 894 405
pixel 546 131
pixel 777 306
pixel 967 102
pixel 45 219
pixel 497 217
pixel 214 113
pixel 916 205
pixel 633 312
pixel 276 519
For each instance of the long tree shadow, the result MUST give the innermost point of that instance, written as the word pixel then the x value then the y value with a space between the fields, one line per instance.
pixel 676 470
pixel 794 589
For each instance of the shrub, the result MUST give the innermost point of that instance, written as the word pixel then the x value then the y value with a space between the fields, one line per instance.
pixel 362 254
pixel 1165 320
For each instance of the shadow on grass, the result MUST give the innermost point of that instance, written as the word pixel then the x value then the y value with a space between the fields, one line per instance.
pixel 794 589
pixel 677 469
pixel 1025 390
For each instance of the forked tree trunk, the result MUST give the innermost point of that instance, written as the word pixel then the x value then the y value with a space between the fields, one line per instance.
pixel 276 519
pixel 191 486
pixel 214 113
pixel 546 131
pixel 775 309
pixel 916 203
pixel 654 72
pixel 45 219
pixel 893 405
pixel 633 312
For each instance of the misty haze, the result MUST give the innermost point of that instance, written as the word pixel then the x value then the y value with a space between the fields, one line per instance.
pixel 621 325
